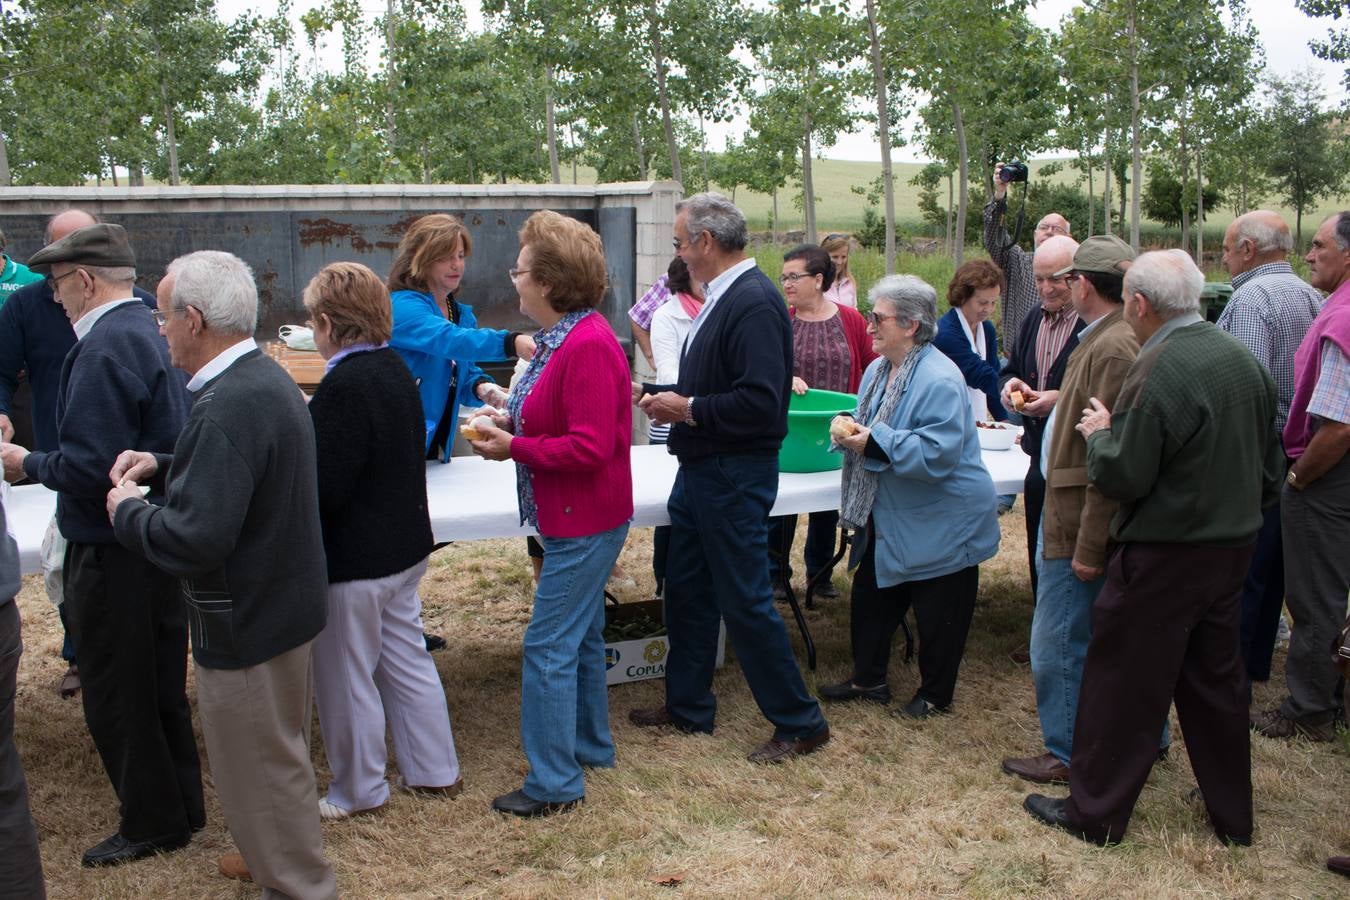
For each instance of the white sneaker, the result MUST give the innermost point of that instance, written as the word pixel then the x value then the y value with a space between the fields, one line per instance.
pixel 1282 634
pixel 329 812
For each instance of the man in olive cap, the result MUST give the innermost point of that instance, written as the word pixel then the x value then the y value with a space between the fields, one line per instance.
pixel 1076 517
pixel 118 390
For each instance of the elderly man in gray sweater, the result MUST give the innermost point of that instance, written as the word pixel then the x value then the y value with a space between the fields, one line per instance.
pixel 240 527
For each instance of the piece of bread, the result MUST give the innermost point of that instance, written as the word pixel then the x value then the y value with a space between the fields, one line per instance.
pixel 476 428
pixel 1019 402
pixel 842 427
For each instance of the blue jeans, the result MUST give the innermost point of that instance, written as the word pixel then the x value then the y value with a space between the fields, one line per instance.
pixel 564 713
pixel 1061 628
pixel 719 515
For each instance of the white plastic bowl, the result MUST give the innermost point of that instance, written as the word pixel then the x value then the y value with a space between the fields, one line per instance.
pixel 1000 437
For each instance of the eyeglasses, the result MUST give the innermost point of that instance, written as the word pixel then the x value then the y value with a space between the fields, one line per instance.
pixel 794 277
pixel 875 319
pixel 54 280
pixel 680 245
pixel 1056 280
pixel 162 318
pixel 516 273
pixel 1073 276
pixel 1053 227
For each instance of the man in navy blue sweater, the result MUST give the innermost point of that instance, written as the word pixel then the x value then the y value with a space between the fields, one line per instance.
pixel 728 414
pixel 118 389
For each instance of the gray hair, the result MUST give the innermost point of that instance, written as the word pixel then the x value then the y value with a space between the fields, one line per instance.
pixel 914 300
pixel 1265 237
pixel 218 284
pixel 1342 230
pixel 111 274
pixel 1170 281
pixel 715 214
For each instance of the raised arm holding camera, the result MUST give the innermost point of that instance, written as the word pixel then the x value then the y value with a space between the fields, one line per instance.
pixel 1020 296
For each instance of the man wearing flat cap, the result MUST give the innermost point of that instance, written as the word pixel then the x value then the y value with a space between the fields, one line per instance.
pixel 1076 518
pixel 118 390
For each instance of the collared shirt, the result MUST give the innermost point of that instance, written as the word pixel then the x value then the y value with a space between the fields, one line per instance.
pixel 88 320
pixel 1047 437
pixel 713 291
pixel 222 361
pixel 349 350
pixel 1331 396
pixel 1170 326
pixel 546 340
pixel 1270 311
pixel 1056 329
pixel 650 302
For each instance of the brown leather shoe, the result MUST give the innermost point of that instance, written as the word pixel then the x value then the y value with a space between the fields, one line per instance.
pixel 448 791
pixel 650 718
pixel 1022 657
pixel 1340 865
pixel 69 684
pixel 776 751
pixel 232 865
pixel 1043 769
pixel 1275 724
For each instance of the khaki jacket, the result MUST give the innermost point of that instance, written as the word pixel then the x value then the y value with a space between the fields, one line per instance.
pixel 1077 518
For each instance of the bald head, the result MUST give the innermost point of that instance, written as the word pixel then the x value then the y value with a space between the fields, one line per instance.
pixel 1050 225
pixel 63 223
pixel 1054 253
pixel 1255 239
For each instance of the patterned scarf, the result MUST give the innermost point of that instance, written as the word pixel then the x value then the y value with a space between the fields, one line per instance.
pixel 859 490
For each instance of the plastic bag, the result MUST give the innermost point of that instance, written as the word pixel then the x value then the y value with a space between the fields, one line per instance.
pixel 297 337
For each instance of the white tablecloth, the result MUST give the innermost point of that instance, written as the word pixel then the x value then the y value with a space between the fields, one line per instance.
pixel 473 499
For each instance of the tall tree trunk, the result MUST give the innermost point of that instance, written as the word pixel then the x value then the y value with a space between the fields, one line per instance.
pixel 808 184
pixel 658 57
pixel 703 154
pixel 169 136
pixel 426 163
pixel 884 133
pixel 135 174
pixel 1106 177
pixel 641 151
pixel 1298 229
pixel 5 180
pixel 959 253
pixel 951 210
pixel 550 125
pixel 1091 199
pixel 773 229
pixel 1185 166
pixel 1199 211
pixel 112 167
pixel 1136 152
pixel 391 74
pixel 1120 183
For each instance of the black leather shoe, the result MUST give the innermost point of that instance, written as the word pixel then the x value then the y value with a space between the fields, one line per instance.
pixel 117 849
pixel 919 708
pixel 519 803
pixel 826 590
pixel 434 642
pixel 1051 812
pixel 775 751
pixel 847 690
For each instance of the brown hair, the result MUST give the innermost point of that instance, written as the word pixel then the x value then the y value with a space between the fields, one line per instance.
pixel 429 239
pixel 835 242
pixel 355 302
pixel 971 277
pixel 567 257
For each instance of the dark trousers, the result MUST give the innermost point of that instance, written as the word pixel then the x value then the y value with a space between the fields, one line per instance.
pixel 131 628
pixel 821 529
pixel 719 514
pixel 660 554
pixel 1263 599
pixel 1033 495
pixel 20 865
pixel 1164 627
pixel 943 608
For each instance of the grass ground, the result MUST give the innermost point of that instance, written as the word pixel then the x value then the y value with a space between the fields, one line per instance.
pixel 888 808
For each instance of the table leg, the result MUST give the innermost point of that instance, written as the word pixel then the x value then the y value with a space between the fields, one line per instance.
pixel 781 552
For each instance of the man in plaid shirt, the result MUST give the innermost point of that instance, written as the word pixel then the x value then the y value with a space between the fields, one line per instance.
pixel 1270 312
pixel 1021 295
pixel 1315 505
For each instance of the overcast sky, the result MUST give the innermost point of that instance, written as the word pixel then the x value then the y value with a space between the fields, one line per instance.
pixel 1284 32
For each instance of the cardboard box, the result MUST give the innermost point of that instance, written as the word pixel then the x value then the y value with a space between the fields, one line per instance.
pixel 646 657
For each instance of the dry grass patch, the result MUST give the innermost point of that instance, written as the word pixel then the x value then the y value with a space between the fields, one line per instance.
pixel 889 808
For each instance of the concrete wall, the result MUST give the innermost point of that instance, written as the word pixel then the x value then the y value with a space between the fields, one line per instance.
pixel 288 232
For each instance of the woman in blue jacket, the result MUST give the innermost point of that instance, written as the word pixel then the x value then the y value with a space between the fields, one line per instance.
pixel 437 336
pixel 919 499
pixel 967 336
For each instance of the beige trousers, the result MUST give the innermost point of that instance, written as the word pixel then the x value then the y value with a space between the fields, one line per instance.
pixel 256 723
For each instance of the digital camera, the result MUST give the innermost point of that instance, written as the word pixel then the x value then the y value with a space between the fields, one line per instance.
pixel 1016 170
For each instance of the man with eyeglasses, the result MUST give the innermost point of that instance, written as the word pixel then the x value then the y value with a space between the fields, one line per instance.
pixel 118 389
pixel 35 337
pixel 1020 297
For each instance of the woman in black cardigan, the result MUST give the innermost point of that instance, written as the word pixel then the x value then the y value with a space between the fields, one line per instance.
pixel 371 666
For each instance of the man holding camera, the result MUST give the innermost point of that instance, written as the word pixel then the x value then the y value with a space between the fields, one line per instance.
pixel 1020 297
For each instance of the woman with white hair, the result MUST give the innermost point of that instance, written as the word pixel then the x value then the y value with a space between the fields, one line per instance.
pixel 919 499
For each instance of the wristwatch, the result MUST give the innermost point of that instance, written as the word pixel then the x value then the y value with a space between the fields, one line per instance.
pixel 689 413
pixel 1292 480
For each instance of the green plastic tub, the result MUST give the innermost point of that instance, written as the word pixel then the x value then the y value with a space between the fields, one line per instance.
pixel 807 445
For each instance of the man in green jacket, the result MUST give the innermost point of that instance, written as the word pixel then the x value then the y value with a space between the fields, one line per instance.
pixel 1192 457
pixel 13 275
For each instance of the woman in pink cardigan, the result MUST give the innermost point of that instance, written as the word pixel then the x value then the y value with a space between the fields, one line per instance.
pixel 568 428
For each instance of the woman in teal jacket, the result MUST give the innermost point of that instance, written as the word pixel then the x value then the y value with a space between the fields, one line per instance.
pixel 920 500
pixel 437 336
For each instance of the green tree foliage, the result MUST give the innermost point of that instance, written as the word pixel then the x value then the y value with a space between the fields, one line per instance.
pixel 1167 200
pixel 1336 46
pixel 1308 156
